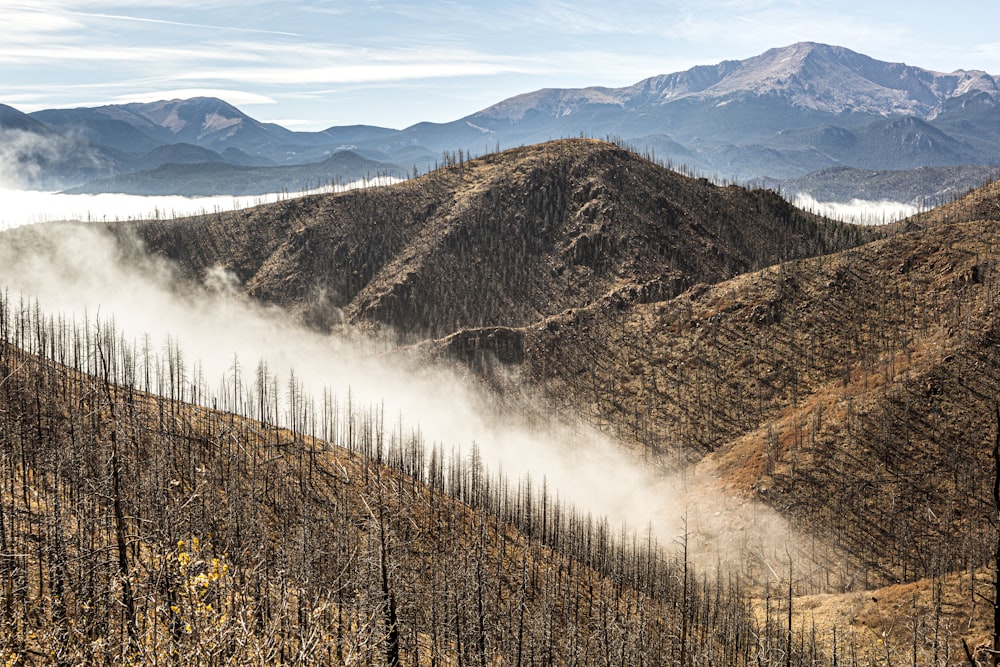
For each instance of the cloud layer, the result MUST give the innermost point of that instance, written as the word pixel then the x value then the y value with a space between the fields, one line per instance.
pixel 858 211
pixel 26 207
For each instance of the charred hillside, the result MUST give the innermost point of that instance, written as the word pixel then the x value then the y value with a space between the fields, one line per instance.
pixel 141 528
pixel 981 203
pixel 848 382
pixel 854 392
pixel 502 240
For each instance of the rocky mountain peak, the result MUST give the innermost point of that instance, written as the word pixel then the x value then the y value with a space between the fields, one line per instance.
pixel 197 116
pixel 809 75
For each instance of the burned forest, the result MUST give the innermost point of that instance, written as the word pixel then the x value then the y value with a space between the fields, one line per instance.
pixel 809 408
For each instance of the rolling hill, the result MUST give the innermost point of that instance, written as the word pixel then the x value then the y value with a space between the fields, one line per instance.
pixel 502 240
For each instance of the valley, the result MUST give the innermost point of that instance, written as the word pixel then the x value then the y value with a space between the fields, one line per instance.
pixel 556 404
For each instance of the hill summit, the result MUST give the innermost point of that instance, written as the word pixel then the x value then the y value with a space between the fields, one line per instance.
pixel 502 240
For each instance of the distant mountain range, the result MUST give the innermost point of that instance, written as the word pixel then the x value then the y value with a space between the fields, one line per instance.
pixel 780 115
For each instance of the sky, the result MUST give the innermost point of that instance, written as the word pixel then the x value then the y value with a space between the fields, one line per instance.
pixel 310 64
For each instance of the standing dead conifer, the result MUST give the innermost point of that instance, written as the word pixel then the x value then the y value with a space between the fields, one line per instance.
pixel 128 600
pixel 996 552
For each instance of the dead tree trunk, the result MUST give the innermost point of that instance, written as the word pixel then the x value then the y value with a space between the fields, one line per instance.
pixel 128 599
pixel 996 551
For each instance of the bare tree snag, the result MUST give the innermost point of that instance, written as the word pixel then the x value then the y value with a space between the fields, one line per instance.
pixel 996 552
pixel 128 599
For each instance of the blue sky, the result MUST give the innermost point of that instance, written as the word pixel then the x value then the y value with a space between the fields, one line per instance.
pixel 309 64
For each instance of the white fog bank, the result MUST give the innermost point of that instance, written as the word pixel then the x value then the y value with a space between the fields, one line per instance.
pixel 78 272
pixel 25 207
pixel 858 211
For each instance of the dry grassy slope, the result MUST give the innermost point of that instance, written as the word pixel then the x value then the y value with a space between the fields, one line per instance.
pixel 932 616
pixel 503 240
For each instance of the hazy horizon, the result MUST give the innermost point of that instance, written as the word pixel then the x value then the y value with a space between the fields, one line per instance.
pixel 310 66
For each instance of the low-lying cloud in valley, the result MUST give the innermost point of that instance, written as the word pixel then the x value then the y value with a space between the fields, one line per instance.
pixel 25 207
pixel 79 271
pixel 858 211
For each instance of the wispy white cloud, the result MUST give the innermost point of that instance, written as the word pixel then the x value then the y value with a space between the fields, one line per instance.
pixel 55 6
pixel 348 73
pixel 589 18
pixel 30 25
pixel 237 97
pixel 184 24
pixel 133 56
